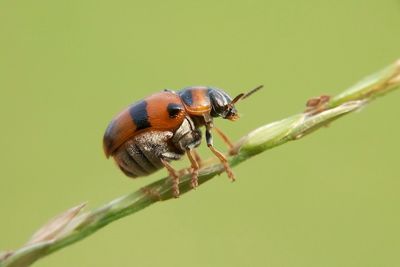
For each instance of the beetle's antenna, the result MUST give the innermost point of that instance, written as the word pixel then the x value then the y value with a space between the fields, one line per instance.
pixel 252 91
pixel 237 98
pixel 246 95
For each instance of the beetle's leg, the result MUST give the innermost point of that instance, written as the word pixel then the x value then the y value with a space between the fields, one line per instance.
pixel 194 169
pixel 197 157
pixel 173 174
pixel 225 138
pixel 221 157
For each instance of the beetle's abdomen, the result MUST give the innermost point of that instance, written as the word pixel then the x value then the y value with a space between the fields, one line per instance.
pixel 141 155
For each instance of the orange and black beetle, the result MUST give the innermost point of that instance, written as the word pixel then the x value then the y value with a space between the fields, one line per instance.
pixel 150 133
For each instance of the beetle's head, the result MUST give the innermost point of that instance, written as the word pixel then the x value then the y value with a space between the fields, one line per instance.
pixel 223 106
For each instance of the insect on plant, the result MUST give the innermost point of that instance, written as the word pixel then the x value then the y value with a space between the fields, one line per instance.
pixel 149 134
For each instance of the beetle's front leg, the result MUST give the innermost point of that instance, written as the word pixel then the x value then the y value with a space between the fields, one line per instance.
pixel 221 156
pixel 226 140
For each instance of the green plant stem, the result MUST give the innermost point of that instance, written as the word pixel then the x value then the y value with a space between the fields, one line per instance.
pixel 73 226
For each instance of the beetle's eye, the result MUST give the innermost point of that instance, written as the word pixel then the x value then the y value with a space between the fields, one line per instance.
pixel 230 113
pixel 227 111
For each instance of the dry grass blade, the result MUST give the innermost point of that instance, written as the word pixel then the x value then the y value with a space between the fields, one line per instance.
pixel 55 226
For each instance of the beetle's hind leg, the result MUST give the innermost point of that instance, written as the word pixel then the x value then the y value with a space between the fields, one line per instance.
pixel 194 170
pixel 174 175
pixel 165 157
pixel 197 157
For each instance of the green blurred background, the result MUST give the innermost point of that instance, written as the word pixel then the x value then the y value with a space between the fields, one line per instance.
pixel 332 199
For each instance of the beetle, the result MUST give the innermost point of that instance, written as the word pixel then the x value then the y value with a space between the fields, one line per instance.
pixel 147 135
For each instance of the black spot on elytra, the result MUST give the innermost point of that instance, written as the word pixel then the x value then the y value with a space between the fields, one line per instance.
pixel 108 139
pixel 174 110
pixel 139 115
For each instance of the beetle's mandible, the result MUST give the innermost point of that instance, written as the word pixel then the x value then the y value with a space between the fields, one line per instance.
pixel 150 133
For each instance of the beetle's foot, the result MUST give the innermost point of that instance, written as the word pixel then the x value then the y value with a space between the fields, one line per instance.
pixel 175 188
pixel 174 178
pixel 175 184
pixel 229 171
pixel 224 162
pixel 195 181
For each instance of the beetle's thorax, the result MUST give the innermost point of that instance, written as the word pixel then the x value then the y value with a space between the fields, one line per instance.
pixel 201 100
